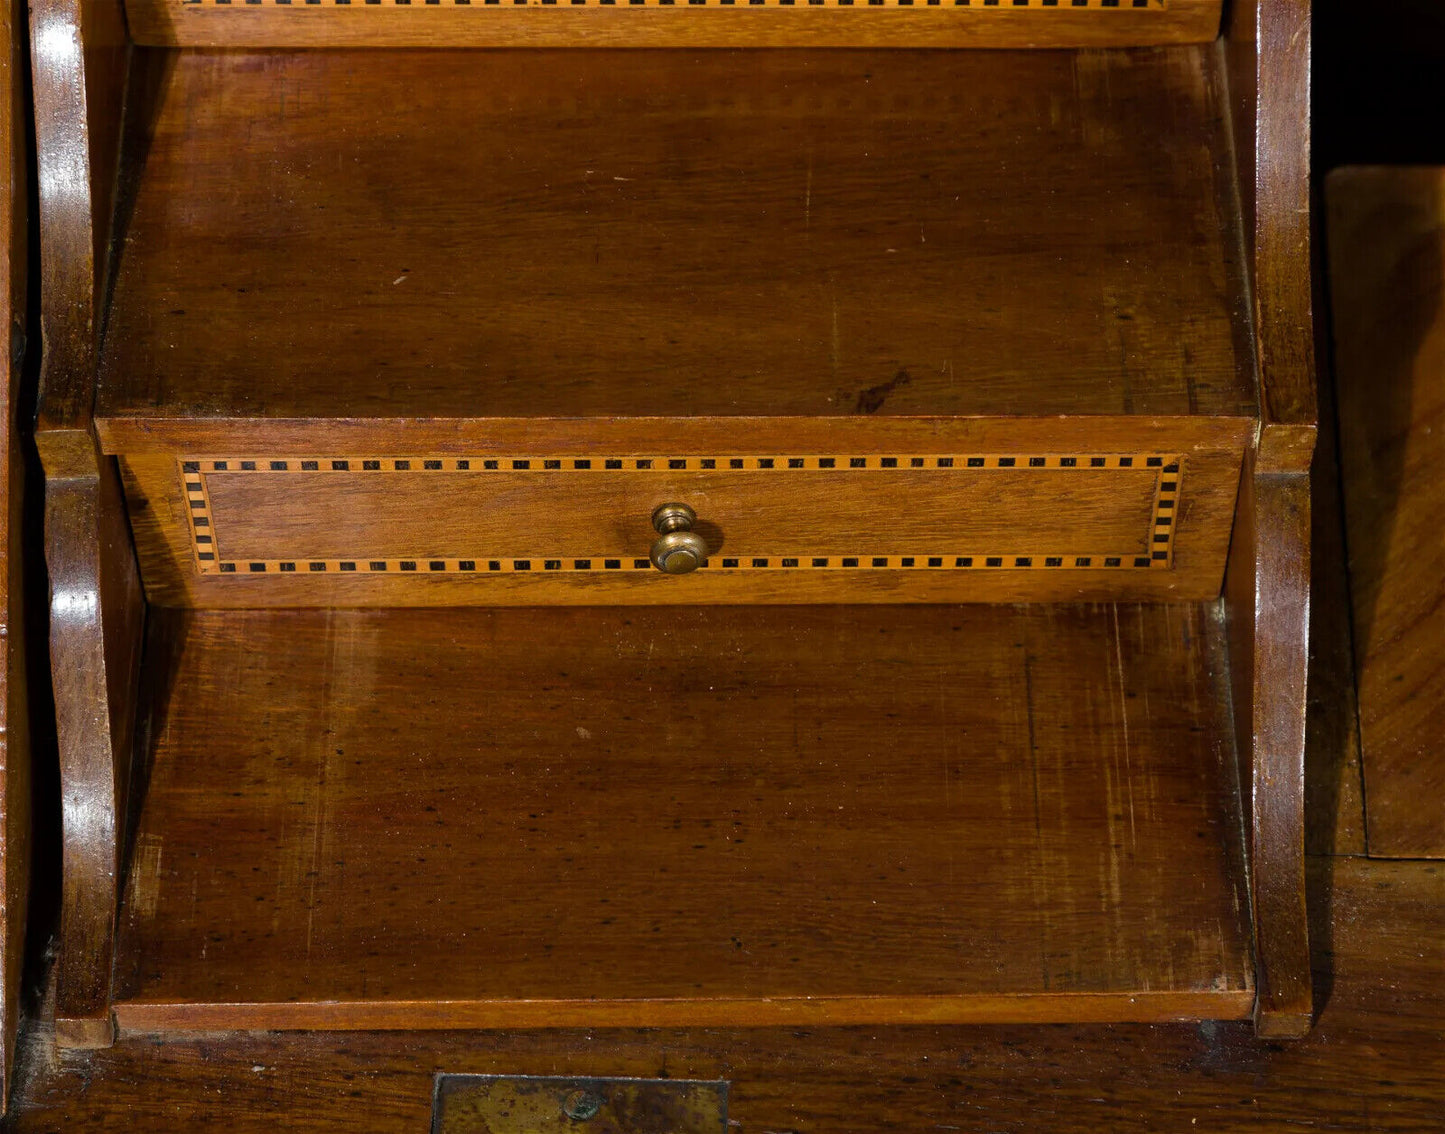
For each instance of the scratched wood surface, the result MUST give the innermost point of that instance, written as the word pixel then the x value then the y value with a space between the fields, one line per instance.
pixel 445 234
pixel 1373 1065
pixel 1387 252
pixel 520 818
pixel 658 23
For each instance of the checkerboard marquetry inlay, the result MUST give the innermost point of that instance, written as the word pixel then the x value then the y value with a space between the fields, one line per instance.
pixel 208 544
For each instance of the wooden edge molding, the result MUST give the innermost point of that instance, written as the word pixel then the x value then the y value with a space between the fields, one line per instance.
pixel 142 1017
pixel 96 614
pixel 1267 598
pixel 209 558
pixel 696 23
pixel 302 438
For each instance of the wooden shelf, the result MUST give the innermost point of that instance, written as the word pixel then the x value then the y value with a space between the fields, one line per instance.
pixel 383 234
pixel 686 816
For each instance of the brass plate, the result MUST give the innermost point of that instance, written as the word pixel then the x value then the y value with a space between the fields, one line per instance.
pixel 527 1104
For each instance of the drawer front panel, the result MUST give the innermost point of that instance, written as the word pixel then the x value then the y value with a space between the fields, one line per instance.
pixel 461 515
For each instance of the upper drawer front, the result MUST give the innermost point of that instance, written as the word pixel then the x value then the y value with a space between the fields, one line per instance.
pixel 248 527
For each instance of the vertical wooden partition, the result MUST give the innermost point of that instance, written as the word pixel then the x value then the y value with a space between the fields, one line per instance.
pixel 80 56
pixel 1267 588
pixel 15 756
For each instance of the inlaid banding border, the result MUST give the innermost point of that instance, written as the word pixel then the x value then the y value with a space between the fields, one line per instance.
pixel 1168 469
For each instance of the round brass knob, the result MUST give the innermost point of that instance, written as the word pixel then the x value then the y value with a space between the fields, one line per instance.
pixel 677 549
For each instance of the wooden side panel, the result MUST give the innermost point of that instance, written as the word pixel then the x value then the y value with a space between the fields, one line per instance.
pixel 865 523
pixel 1267 53
pixel 1387 253
pixel 1334 782
pixel 1267 597
pixel 80 58
pixel 15 755
pixel 96 612
pixel 658 23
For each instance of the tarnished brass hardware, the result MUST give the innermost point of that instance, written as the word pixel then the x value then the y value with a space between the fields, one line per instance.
pixel 522 1104
pixel 678 549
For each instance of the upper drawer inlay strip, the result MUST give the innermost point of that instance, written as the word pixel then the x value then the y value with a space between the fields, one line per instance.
pixel 1154 550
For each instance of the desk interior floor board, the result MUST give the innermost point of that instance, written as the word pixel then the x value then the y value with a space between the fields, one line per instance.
pixel 715 816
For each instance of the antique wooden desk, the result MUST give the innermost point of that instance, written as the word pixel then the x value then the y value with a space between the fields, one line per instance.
pixel 981 381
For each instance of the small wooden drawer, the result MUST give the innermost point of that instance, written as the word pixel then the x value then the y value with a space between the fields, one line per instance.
pixel 920 519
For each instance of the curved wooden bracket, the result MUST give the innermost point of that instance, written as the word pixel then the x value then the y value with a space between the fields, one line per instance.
pixel 96 612
pixel 80 55
pixel 1267 593
pixel 1267 48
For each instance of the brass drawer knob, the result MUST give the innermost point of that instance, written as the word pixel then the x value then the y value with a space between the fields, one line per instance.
pixel 678 549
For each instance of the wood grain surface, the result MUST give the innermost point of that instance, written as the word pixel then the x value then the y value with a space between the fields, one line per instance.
pixel 859 525
pixel 659 23
pixel 1373 1065
pixel 1387 255
pixel 1267 57
pixel 1267 599
pixel 96 615
pixel 1266 54
pixel 1334 778
pixel 686 815
pixel 80 58
pixel 676 234
pixel 15 690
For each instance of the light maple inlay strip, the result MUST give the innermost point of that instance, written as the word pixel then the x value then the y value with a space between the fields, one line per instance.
pixel 210 559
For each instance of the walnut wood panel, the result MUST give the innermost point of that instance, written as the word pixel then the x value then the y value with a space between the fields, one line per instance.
pixel 1267 53
pixel 1373 1065
pixel 15 754
pixel 1334 780
pixel 654 23
pixel 80 57
pixel 704 815
pixel 677 234
pixel 80 61
pixel 1387 254
pixel 859 525
pixel 1267 598
pixel 96 613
